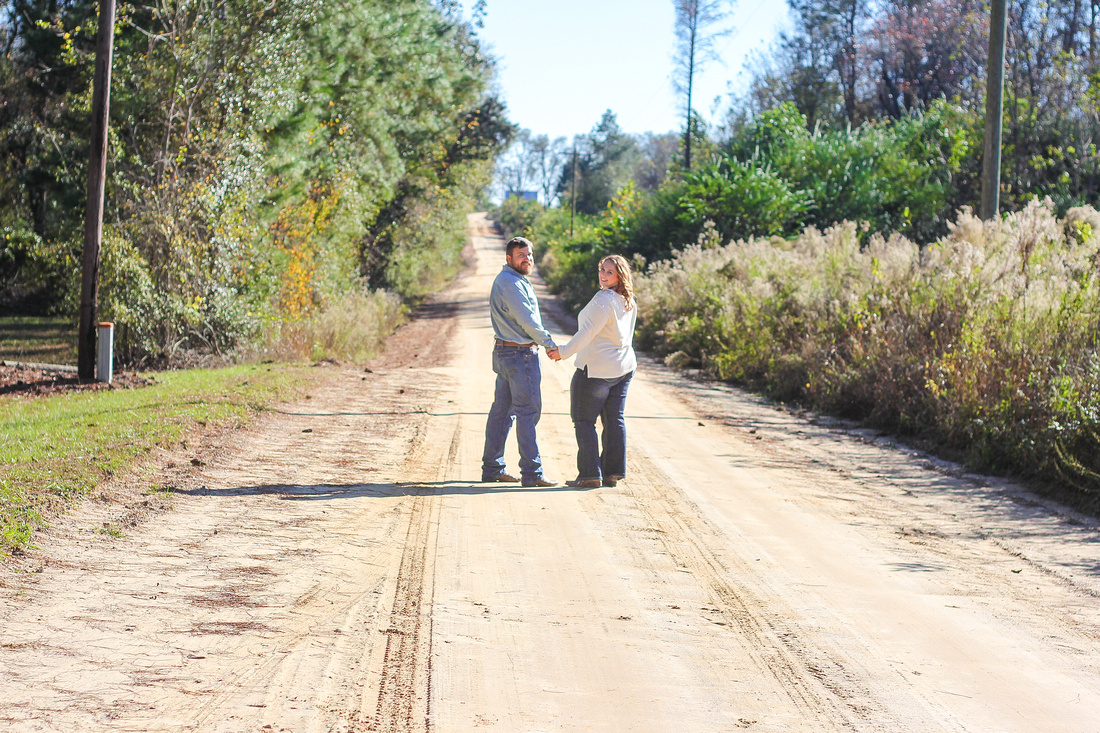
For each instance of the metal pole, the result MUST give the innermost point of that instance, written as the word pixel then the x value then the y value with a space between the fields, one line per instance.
pixel 97 174
pixel 573 192
pixel 994 106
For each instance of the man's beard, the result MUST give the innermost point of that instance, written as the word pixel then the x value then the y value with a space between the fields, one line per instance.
pixel 523 268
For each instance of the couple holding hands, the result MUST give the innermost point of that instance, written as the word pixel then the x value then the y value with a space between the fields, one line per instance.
pixel 605 365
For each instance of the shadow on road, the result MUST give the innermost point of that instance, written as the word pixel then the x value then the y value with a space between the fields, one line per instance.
pixel 303 492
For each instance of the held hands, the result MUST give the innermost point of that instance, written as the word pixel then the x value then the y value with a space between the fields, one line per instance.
pixel 554 354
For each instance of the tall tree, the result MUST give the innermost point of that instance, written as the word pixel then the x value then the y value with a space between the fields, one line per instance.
pixel 926 50
pixel 697 31
pixel 516 168
pixel 549 158
pixel 807 56
pixel 657 154
pixel 826 35
pixel 604 163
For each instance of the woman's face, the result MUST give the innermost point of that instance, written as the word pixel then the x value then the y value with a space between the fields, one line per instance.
pixel 608 277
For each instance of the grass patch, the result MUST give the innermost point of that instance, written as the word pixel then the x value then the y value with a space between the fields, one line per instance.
pixel 54 450
pixel 38 339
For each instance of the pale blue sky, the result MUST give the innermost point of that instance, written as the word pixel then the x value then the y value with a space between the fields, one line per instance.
pixel 562 63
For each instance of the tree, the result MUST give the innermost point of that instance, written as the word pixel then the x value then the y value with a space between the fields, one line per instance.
pixel 928 50
pixel 695 38
pixel 264 157
pixel 549 159
pixel 516 168
pixel 657 155
pixel 605 161
pixel 807 57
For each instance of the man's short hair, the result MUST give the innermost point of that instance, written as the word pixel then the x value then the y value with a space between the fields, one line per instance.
pixel 515 243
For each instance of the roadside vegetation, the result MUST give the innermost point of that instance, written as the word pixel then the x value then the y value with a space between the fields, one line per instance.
pixel 269 163
pixel 284 181
pixel 54 450
pixel 984 344
pixel 820 245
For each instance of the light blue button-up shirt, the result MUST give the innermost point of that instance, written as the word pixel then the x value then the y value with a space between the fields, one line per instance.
pixel 514 310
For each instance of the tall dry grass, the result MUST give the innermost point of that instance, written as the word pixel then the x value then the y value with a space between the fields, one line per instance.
pixel 984 343
pixel 353 327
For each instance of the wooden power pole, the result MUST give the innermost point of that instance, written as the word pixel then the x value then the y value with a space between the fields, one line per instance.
pixel 97 174
pixel 994 106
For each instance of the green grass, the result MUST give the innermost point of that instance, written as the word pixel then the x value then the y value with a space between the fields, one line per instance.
pixel 54 450
pixel 38 339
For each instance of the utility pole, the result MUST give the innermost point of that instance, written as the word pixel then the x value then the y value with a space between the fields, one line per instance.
pixel 573 192
pixel 97 174
pixel 994 106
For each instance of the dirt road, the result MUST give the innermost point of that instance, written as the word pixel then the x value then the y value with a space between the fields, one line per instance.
pixel 339 568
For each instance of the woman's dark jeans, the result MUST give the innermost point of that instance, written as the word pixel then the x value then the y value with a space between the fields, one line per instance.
pixel 592 397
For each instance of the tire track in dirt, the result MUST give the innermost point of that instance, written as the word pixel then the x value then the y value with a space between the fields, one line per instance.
pixel 275 586
pixel 402 702
pixel 404 693
pixel 815 679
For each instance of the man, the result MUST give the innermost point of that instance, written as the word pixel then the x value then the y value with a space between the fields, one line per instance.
pixel 517 325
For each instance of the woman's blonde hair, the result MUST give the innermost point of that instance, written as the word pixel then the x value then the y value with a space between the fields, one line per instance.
pixel 625 287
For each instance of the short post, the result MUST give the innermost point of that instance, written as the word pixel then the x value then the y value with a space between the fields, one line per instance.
pixel 105 364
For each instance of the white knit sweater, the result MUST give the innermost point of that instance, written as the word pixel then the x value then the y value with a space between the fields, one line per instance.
pixel 605 331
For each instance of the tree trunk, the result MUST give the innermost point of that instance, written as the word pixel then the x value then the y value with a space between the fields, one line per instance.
pixel 849 74
pixel 691 76
pixel 1069 40
pixel 994 95
pixel 1092 30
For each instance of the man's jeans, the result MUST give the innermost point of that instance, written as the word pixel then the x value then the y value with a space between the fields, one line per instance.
pixel 518 398
pixel 592 397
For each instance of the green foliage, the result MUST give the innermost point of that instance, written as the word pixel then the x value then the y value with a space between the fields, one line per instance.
pixel 263 158
pixel 893 175
pixel 604 164
pixel 516 216
pixel 984 343
pixel 775 178
pixel 742 199
pixel 868 62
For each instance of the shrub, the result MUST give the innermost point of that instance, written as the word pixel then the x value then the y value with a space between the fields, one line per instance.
pixel 516 216
pixel 985 343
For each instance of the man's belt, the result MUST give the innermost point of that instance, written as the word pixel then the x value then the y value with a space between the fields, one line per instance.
pixel 502 342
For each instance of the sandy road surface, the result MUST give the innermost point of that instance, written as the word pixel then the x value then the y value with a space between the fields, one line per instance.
pixel 755 571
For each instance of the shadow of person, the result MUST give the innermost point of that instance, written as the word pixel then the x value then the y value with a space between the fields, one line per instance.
pixel 325 492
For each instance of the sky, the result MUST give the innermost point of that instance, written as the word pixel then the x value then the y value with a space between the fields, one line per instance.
pixel 561 64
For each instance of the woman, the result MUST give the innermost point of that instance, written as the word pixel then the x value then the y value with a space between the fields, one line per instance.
pixel 605 365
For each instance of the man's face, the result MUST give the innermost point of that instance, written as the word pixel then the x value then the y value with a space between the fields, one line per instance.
pixel 520 260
